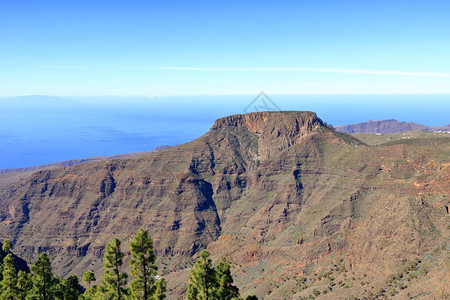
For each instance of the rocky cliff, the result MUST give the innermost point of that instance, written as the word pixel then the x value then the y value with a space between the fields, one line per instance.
pixel 278 193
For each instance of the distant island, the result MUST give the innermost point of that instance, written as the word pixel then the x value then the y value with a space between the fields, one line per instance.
pixel 388 127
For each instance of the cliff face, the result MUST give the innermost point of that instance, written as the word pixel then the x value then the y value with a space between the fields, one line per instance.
pixel 275 124
pixel 275 131
pixel 277 193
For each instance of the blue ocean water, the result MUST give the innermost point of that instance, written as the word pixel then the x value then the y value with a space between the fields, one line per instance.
pixel 36 130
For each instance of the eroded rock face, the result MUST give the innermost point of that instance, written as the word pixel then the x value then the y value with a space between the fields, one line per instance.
pixel 284 124
pixel 276 130
pixel 271 191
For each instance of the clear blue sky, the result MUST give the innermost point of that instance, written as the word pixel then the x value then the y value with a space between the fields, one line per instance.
pixel 138 47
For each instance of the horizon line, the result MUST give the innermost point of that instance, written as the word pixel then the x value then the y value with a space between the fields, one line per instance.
pixel 224 95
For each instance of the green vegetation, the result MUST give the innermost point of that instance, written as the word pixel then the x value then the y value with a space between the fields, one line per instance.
pixel 326 281
pixel 44 284
pixel 69 288
pixel 142 267
pixel 401 279
pixel 23 285
pixel 89 278
pixel 202 281
pixel 8 284
pixel 114 281
pixel 205 282
pixel 6 246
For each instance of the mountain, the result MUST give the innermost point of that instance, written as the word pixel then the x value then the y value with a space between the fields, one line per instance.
pixel 298 208
pixel 387 127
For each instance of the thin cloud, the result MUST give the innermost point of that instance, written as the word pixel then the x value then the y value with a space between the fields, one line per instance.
pixel 328 70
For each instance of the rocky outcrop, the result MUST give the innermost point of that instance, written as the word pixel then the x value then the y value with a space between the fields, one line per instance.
pixel 277 124
pixel 276 131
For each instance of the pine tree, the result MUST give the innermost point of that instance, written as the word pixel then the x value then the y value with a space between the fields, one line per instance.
pixel 114 281
pixel 24 285
pixel 142 266
pixel 88 278
pixel 6 246
pixel 43 281
pixel 58 288
pixel 202 280
pixel 160 290
pixel 69 288
pixel 225 288
pixel 8 284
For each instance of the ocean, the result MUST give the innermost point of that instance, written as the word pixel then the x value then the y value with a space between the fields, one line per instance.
pixel 36 130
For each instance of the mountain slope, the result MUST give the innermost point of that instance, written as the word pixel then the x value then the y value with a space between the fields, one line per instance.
pixel 387 127
pixel 73 162
pixel 278 193
pixel 9 176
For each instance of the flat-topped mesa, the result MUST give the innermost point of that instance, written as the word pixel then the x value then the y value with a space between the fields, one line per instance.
pixel 276 130
pixel 287 123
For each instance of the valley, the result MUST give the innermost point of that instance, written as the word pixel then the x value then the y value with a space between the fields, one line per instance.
pixel 297 208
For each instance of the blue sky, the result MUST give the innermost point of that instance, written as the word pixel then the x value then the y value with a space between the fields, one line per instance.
pixel 224 47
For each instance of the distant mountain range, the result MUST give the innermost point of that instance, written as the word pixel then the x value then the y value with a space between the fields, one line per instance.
pixel 388 127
